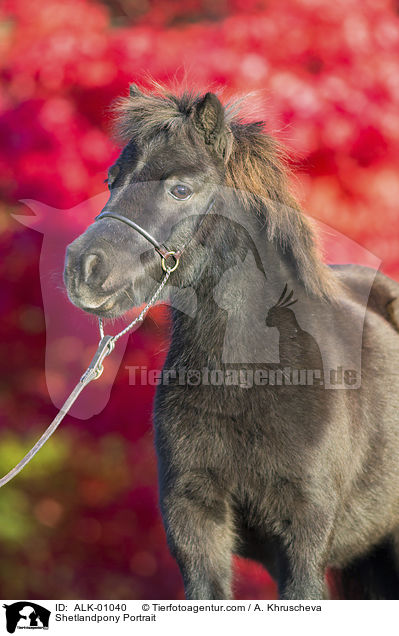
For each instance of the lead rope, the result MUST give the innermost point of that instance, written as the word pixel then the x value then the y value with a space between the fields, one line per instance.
pixel 143 313
pixel 93 371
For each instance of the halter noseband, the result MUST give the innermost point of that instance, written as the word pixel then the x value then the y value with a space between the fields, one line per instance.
pixel 161 249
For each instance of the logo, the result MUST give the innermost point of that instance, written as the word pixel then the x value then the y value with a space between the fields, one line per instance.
pixel 26 615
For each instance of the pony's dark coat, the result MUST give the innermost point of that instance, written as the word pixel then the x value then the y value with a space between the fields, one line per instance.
pixel 300 478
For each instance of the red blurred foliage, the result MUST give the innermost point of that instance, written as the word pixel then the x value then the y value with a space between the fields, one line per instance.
pixel 328 82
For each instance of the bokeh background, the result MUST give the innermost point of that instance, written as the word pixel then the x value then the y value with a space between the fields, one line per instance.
pixel 82 521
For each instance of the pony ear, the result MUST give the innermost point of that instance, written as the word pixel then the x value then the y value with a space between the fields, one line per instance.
pixel 134 90
pixel 209 122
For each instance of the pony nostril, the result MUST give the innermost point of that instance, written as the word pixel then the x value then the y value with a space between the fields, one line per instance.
pixel 91 266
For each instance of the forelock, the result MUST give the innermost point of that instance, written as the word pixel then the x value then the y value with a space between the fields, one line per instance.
pixel 144 115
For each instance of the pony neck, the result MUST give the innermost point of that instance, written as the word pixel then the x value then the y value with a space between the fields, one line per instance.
pixel 234 295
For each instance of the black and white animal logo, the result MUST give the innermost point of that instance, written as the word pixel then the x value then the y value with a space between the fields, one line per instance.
pixel 26 615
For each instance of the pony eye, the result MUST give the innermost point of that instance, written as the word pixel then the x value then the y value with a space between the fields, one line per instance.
pixel 181 192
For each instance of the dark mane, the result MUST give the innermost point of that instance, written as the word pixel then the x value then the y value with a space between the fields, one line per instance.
pixel 255 168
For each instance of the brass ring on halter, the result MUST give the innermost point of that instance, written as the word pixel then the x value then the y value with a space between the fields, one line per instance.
pixel 163 261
